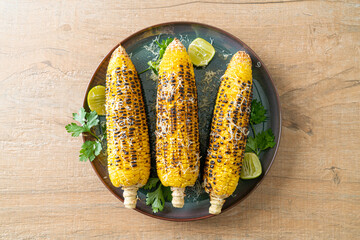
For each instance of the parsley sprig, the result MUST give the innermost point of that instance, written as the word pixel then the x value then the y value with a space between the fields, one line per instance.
pixel 263 140
pixel 154 65
pixel 88 120
pixel 157 197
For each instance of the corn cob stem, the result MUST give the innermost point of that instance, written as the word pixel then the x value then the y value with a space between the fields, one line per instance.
pixel 216 204
pixel 178 197
pixel 130 196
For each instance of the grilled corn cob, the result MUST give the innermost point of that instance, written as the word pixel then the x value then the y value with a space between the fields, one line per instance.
pixel 229 131
pixel 127 130
pixel 177 127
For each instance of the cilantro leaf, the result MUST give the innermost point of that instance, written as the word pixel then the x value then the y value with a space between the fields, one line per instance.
pixel 89 150
pixel 152 182
pixel 257 112
pixel 156 199
pixel 74 129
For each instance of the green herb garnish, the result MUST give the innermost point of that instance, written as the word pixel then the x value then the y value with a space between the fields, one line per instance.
pixel 152 182
pixel 260 142
pixel 154 65
pixel 257 112
pixel 89 149
pixel 264 139
pixel 157 197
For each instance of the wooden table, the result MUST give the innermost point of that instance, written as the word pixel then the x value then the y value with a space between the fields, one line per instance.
pixel 48 52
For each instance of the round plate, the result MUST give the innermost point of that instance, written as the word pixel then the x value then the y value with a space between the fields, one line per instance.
pixel 139 46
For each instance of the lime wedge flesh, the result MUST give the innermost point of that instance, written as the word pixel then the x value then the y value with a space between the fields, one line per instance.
pixel 96 99
pixel 251 167
pixel 201 52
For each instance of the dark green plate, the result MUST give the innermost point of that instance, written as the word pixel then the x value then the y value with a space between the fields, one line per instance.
pixel 137 45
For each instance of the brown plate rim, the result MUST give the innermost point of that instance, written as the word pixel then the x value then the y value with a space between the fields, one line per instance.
pixel 271 81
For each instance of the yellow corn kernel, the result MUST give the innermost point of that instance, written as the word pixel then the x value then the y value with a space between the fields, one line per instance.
pixel 127 131
pixel 229 131
pixel 177 127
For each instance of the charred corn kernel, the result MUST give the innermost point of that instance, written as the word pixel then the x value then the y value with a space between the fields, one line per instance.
pixel 229 130
pixel 127 131
pixel 177 127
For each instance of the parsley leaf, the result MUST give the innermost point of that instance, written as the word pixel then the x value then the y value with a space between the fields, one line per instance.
pixel 167 193
pixel 80 117
pixel 251 145
pixel 89 149
pixel 156 199
pixel 152 182
pixel 74 129
pixel 260 142
pixel 264 139
pixel 163 45
pixel 154 65
pixel 92 119
pixel 87 121
pixel 257 112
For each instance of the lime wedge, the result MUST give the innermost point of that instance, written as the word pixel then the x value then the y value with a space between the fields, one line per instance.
pixel 96 99
pixel 251 167
pixel 201 52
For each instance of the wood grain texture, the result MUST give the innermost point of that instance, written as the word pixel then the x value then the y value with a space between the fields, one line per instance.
pixel 48 52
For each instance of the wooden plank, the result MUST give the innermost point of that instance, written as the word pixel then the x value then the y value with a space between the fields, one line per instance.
pixel 48 52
